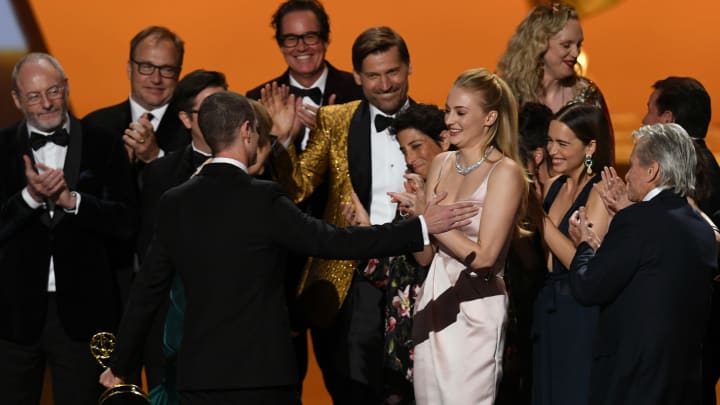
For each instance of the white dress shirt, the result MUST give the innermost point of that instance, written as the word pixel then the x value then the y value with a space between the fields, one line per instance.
pixel 319 83
pixel 388 168
pixel 52 156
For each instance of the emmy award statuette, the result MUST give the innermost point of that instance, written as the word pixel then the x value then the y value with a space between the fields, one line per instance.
pixel 101 346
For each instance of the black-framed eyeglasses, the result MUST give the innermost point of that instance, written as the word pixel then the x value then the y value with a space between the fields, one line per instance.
pixel 53 93
pixel 147 69
pixel 308 38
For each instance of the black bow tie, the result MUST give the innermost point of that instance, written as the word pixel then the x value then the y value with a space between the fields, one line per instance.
pixel 382 122
pixel 59 137
pixel 315 94
pixel 198 159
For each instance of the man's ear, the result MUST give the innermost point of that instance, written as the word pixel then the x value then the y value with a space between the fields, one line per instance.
pixel 185 119
pixel 652 171
pixel 16 99
pixel 356 75
pixel 667 117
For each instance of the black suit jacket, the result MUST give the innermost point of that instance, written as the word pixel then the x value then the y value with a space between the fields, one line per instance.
pixel 226 235
pixel 171 134
pixel 96 167
pixel 652 280
pixel 711 204
pixel 339 82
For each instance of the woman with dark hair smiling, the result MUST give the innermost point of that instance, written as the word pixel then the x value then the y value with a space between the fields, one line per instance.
pixel 579 147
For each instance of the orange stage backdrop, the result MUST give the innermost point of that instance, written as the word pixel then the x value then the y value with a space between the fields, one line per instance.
pixel 629 45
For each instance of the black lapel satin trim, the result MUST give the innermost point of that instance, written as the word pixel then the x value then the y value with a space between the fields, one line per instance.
pixel 23 145
pixel 358 152
pixel 74 153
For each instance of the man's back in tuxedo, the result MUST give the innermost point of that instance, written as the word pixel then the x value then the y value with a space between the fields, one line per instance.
pixel 226 235
pixel 157 178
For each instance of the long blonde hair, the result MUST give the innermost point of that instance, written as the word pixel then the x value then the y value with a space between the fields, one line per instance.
pixel 503 134
pixel 521 66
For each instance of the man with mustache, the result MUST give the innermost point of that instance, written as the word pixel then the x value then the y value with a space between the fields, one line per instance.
pixel 353 151
pixel 66 197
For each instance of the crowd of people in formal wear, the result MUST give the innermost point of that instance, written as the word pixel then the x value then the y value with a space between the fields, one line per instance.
pixel 484 252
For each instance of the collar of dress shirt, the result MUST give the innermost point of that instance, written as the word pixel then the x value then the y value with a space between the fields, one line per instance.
pixel 375 111
pixel 319 83
pixel 652 193
pixel 194 148
pixel 65 126
pixel 136 111
pixel 230 161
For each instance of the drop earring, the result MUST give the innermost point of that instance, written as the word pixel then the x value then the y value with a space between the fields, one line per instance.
pixel 588 162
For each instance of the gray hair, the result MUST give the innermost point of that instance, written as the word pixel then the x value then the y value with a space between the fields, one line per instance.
pixel 672 148
pixel 35 57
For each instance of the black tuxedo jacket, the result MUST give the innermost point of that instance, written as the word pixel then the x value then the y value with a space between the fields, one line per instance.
pixel 171 134
pixel 96 167
pixel 652 280
pixel 339 82
pixel 711 204
pixel 226 235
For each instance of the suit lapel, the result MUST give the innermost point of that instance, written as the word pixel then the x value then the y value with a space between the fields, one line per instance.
pixel 73 155
pixel 358 152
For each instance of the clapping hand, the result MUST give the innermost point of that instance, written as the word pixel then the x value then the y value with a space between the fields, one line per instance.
pixel 48 185
pixel 613 191
pixel 581 229
pixel 282 107
pixel 412 200
pixel 140 140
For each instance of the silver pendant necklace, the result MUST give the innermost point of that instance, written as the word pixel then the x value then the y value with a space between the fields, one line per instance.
pixel 466 170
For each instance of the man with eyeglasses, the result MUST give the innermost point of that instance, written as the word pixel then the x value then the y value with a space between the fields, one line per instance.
pixel 147 122
pixel 302 32
pixel 66 197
